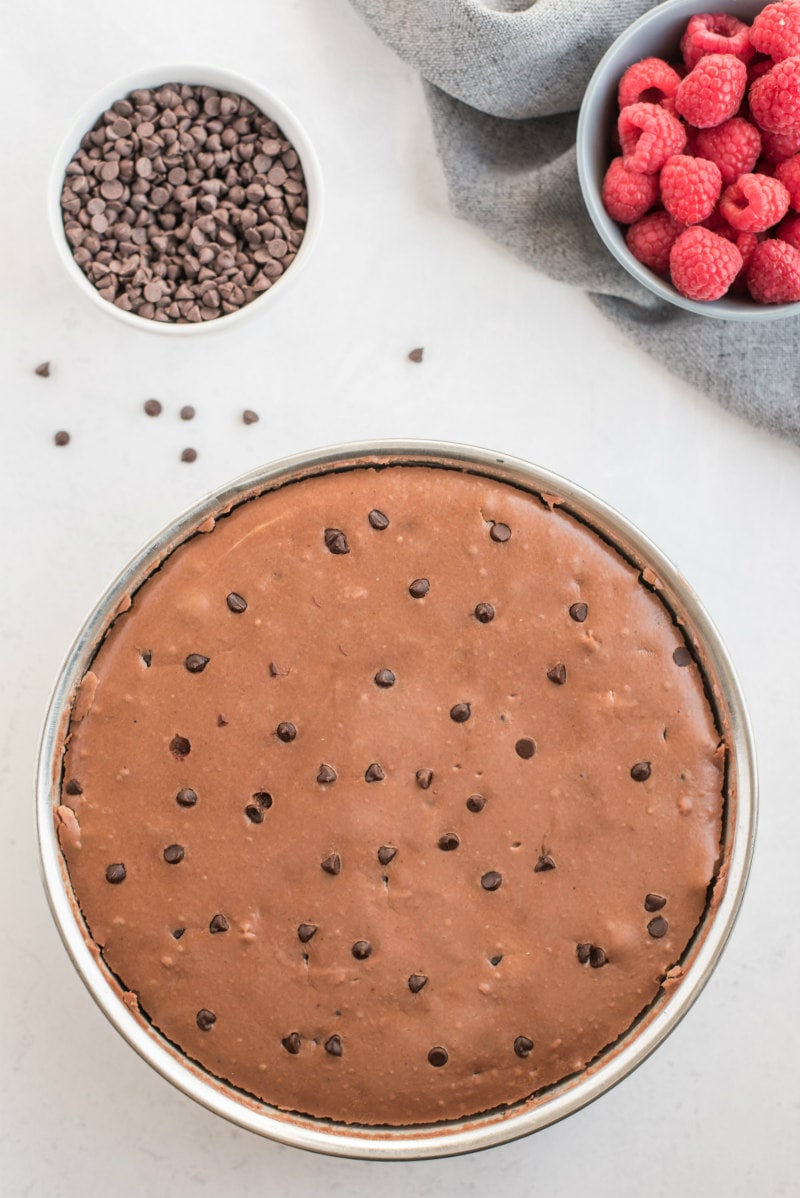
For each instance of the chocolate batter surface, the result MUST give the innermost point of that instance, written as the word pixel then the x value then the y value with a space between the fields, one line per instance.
pixel 393 797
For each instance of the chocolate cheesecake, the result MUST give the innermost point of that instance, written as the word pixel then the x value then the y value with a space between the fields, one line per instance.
pixel 394 795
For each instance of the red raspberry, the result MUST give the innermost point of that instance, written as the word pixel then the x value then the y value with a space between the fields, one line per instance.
pixel 627 195
pixel 690 188
pixel 789 230
pixel 703 265
pixel 651 239
pixel 758 67
pixel 776 30
pixel 754 203
pixel 734 145
pixel 648 135
pixel 652 80
pixel 777 146
pixel 788 172
pixel 773 276
pixel 775 98
pixel 713 90
pixel 715 33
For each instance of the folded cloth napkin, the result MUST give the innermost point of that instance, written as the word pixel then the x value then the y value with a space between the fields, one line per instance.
pixel 504 81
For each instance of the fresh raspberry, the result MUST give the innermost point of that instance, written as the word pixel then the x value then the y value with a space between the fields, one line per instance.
pixel 650 81
pixel 648 135
pixel 715 33
pixel 734 145
pixel 702 264
pixel 773 276
pixel 775 98
pixel 627 195
pixel 776 30
pixel 789 230
pixel 788 172
pixel 712 91
pixel 651 239
pixel 690 187
pixel 754 203
pixel 778 146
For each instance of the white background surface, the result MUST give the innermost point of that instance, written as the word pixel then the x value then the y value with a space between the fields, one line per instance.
pixel 513 362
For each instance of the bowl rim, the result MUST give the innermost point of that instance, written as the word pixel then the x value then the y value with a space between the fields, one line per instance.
pixel 484 1130
pixel 199 75
pixel 605 77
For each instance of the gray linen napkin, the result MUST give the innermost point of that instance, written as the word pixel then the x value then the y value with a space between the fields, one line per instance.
pixel 503 82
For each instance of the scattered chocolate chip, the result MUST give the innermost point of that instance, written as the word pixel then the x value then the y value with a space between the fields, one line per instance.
pixel 180 747
pixel 500 533
pixel 386 853
pixel 544 864
pixel 306 932
pixel 361 950
pixel 147 657
pixel 681 656
pixel 43 370
pixel 579 612
pixel 61 438
pixel 584 952
pixel 189 455
pixel 438 1056
pixel 484 613
pixel 525 748
pixel 186 797
pixel 496 959
pixel 236 603
pixel 449 842
pixel 597 958
pixel 218 924
pixel 152 407
pixel 558 674
pixel 73 787
pixel 275 670
pixel 263 798
pixel 654 902
pixel 333 1045
pixel 332 864
pixel 523 1046
pixel 374 773
pixel 415 355
pixel 221 721
pixel 336 541
pixel 206 1020
pixel 177 933
pixel 385 679
pixel 292 1043
pixel 195 663
pixel 460 713
pixel 116 873
pixel 492 880
pixel 249 416
pixel 416 982
pixel 658 927
pixel 173 854
pixel 326 774
pixel 419 588
pixel 424 779
pixel 641 771
pixel 254 813
pixel 476 803
pixel 378 520
pixel 187 412
pixel 286 732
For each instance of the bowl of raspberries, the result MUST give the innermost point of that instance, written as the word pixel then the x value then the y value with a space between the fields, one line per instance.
pixel 688 152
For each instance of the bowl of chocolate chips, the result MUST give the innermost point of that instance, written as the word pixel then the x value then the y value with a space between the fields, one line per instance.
pixel 183 197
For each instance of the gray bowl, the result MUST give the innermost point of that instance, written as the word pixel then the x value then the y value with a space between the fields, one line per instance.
pixel 657 33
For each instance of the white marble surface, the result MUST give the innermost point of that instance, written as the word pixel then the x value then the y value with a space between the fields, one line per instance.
pixel 513 362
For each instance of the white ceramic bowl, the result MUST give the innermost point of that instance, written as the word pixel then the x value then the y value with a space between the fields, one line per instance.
pixel 658 33
pixel 197 75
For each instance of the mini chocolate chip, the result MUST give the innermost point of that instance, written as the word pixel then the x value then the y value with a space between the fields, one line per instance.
pixel 195 663
pixel 361 950
pixel 263 798
pixel 419 588
pixel 332 864
pixel 147 657
pixel 584 952
pixel 597 958
pixel 374 773
pixel 579 612
pixel 286 732
pixel 544 864
pixel 654 902
pixel 236 603
pixel 416 982
pixel 177 933
pixel 116 873
pixel 186 797
pixel 206 1020
pixel 43 370
pixel 658 927
pixel 292 1043
pixel 424 778
pixel 73 787
pixel 326 774
pixel 523 1046
pixel 189 455
pixel 681 656
pixel 460 713
pixel 558 674
pixel 333 1045
pixel 249 416
pixel 525 748
pixel 484 613
pixel 449 842
pixel 415 355
pixel 173 854
pixel 254 814
pixel 385 679
pixel 61 438
pixel 152 407
pixel 218 924
pixel 500 533
pixel 438 1056
pixel 476 803
pixel 306 932
pixel 386 853
pixel 187 412
pixel 496 959
pixel 378 520
pixel 492 880
pixel 641 771
pixel 336 541
pixel 180 747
